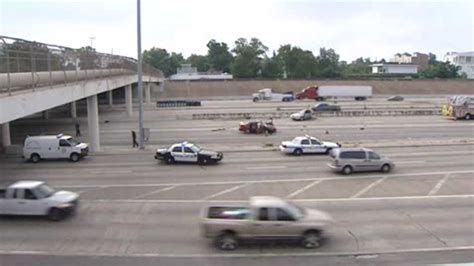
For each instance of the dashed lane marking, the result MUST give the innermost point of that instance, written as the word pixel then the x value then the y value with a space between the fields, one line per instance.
pixel 266 167
pixel 438 186
pixel 154 192
pixel 367 188
pixel 225 191
pixel 304 189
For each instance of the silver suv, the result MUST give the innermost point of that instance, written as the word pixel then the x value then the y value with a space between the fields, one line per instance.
pixel 358 160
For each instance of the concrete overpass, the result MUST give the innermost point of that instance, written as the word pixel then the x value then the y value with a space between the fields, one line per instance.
pixel 36 77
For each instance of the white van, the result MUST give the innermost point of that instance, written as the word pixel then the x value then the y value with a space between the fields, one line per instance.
pixel 54 147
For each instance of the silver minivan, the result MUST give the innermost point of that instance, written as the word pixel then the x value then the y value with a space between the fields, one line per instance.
pixel 350 160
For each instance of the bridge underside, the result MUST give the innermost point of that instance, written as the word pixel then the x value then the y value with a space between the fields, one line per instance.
pixel 23 103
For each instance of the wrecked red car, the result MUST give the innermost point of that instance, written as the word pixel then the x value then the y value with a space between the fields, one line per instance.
pixel 257 127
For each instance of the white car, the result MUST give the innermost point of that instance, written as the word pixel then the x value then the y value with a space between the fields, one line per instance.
pixel 305 114
pixel 187 152
pixel 307 144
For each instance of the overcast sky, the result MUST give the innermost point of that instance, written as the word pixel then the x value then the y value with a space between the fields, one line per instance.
pixel 375 29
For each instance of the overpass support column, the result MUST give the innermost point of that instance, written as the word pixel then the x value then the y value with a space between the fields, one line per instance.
pixel 73 110
pixel 148 93
pixel 6 140
pixel 128 99
pixel 93 123
pixel 111 98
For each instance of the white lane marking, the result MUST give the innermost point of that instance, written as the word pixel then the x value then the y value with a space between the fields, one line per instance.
pixel 299 191
pixel 271 180
pixel 438 186
pixel 154 192
pixel 235 255
pixel 436 152
pixel 88 190
pixel 225 191
pixel 367 188
pixel 266 167
pixel 468 196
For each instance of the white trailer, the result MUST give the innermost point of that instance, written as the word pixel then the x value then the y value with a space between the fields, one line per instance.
pixel 359 93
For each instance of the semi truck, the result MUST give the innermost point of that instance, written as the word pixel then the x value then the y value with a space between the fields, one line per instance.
pixel 268 94
pixel 461 106
pixel 321 93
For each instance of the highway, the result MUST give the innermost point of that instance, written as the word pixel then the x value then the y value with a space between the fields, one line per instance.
pixel 135 210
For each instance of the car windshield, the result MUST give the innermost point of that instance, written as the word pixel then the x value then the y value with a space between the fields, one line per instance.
pixel 296 210
pixel 46 191
pixel 73 142
pixel 195 148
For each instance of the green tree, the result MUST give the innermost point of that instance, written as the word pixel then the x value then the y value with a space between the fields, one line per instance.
pixel 360 66
pixel 327 63
pixel 443 70
pixel 161 59
pixel 201 62
pixel 248 58
pixel 271 67
pixel 218 56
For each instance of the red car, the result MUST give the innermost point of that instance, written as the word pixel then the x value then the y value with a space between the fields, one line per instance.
pixel 257 127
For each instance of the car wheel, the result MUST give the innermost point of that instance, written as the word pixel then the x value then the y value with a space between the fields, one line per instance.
pixel 169 160
pixel 203 161
pixel 385 168
pixel 297 152
pixel 347 170
pixel 311 239
pixel 255 100
pixel 467 117
pixel 74 157
pixel 35 158
pixel 226 241
pixel 54 214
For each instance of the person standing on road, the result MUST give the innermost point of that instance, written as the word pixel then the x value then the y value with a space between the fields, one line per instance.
pixel 78 129
pixel 134 139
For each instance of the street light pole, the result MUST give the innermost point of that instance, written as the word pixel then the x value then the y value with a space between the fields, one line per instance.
pixel 140 82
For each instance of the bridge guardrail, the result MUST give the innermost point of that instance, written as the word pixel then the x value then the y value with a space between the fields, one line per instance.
pixel 28 65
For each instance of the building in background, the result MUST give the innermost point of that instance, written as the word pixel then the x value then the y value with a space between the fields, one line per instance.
pixel 419 59
pixel 187 72
pixel 394 68
pixel 464 60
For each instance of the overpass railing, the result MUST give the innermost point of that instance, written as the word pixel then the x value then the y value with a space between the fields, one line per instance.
pixel 27 65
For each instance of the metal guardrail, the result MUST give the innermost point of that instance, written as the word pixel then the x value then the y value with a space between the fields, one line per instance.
pixel 177 103
pixel 28 65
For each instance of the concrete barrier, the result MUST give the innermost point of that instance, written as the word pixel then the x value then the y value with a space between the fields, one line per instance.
pixel 266 115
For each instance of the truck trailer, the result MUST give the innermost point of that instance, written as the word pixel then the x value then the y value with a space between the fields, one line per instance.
pixel 321 93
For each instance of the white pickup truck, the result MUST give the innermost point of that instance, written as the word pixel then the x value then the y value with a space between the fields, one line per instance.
pixel 268 95
pixel 263 218
pixel 37 198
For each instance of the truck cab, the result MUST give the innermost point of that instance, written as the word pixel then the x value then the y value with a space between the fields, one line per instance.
pixel 54 147
pixel 36 198
pixel 268 95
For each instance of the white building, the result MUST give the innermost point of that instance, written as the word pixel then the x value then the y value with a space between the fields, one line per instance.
pixel 391 68
pixel 464 60
pixel 187 72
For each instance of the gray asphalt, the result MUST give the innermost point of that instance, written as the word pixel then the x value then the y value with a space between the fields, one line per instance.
pixel 135 210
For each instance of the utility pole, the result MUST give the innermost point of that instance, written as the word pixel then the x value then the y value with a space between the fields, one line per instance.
pixel 92 40
pixel 140 82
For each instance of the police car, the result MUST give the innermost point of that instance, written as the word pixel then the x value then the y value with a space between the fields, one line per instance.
pixel 187 152
pixel 307 144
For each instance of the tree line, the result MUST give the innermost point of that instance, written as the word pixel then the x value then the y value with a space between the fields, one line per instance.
pixel 251 59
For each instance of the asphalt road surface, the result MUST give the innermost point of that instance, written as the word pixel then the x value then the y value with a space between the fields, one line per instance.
pixel 137 211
